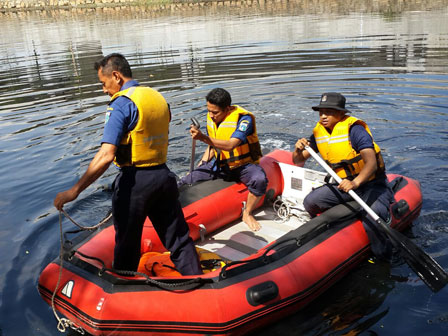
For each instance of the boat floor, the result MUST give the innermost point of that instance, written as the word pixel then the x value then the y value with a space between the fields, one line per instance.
pixel 236 241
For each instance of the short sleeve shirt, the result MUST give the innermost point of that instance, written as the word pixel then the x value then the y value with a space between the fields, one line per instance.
pixel 121 117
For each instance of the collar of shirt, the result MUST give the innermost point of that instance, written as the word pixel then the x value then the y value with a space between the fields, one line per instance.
pixel 128 84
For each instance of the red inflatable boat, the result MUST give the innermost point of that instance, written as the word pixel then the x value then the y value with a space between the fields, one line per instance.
pixel 251 279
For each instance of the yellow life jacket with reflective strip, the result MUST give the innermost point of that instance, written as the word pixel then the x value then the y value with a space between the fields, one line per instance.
pixel 249 152
pixel 337 151
pixel 147 144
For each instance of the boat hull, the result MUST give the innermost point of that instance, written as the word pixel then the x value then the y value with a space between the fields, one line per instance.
pixel 280 278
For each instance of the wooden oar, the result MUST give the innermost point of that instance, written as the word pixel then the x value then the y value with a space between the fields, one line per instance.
pixel 193 143
pixel 432 274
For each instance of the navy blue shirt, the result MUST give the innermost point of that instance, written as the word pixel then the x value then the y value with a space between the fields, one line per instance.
pixel 359 139
pixel 121 117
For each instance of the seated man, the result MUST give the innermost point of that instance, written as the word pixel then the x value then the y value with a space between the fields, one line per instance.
pixel 233 151
pixel 346 143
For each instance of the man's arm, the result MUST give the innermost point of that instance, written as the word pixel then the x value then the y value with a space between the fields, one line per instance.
pixel 226 145
pixel 300 154
pixel 99 164
pixel 361 142
pixel 370 166
pixel 208 155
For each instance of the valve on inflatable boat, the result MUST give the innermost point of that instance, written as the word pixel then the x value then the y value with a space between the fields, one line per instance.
pixel 202 231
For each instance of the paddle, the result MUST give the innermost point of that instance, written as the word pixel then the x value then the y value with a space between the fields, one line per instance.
pixel 193 144
pixel 423 265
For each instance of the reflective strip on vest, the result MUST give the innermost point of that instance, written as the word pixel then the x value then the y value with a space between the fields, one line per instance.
pixel 336 149
pixel 249 152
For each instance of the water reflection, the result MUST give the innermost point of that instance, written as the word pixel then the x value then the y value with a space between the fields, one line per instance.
pixel 350 307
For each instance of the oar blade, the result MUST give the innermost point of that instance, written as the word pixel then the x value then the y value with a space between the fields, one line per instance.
pixel 428 270
pixel 432 274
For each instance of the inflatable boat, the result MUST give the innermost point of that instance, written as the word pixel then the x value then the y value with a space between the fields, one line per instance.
pixel 250 279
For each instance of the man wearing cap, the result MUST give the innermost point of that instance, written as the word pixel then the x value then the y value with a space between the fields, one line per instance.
pixel 347 145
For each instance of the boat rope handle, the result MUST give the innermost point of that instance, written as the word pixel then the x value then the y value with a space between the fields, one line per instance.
pixel 265 258
pixel 63 323
pixel 163 285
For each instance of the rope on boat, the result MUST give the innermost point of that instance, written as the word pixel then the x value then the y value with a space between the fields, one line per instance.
pixel 87 228
pixel 163 285
pixel 286 208
pixel 282 209
pixel 64 323
pixel 129 273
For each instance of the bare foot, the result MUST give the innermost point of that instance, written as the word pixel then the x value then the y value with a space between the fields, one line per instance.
pixel 251 221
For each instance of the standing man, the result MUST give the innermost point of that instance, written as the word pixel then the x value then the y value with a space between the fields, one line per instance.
pixel 136 139
pixel 346 143
pixel 233 150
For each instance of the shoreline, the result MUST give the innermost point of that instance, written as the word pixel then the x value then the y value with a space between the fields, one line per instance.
pixel 46 5
pixel 333 6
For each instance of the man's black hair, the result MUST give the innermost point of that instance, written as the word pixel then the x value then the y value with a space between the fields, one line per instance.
pixel 219 97
pixel 114 62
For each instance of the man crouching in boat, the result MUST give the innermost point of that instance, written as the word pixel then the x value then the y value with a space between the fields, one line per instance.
pixel 233 151
pixel 346 143
pixel 136 139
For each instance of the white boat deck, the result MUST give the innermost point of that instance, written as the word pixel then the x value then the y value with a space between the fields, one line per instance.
pixel 236 241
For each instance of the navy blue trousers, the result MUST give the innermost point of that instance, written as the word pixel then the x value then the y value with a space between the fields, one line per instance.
pixel 251 175
pixel 152 192
pixel 377 194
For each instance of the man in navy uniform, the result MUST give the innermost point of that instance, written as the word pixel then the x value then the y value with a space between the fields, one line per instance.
pixel 346 143
pixel 136 139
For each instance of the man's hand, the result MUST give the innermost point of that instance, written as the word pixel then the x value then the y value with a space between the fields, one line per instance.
pixel 64 197
pixel 347 185
pixel 301 143
pixel 103 158
pixel 300 154
pixel 226 145
pixel 196 133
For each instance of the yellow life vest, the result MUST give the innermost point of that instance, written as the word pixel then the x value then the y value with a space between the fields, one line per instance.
pixel 249 152
pixel 147 144
pixel 337 150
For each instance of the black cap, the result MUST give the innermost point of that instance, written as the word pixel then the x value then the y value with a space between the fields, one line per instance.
pixel 331 100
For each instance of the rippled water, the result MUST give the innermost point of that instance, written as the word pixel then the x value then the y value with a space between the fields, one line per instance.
pixel 276 59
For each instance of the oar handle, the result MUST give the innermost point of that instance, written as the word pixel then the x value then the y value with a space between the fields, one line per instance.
pixel 338 179
pixel 195 124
